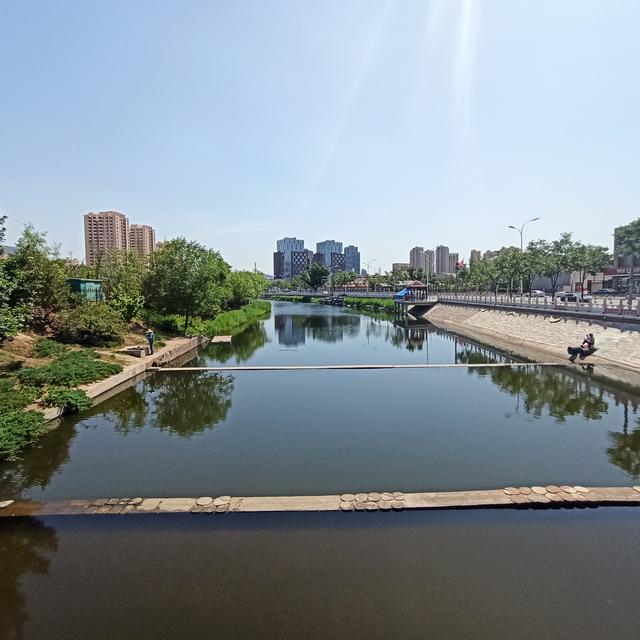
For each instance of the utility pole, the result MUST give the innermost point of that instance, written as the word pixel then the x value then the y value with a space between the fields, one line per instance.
pixel 519 230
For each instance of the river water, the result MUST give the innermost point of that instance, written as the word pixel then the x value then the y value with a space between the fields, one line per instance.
pixel 473 574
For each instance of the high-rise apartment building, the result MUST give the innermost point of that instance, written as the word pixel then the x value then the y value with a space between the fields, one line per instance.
pixel 352 259
pixel 442 259
pixel 300 262
pixel 429 261
pixel 287 246
pixel 476 256
pixel 142 239
pixel 278 265
pixel 400 266
pixel 416 258
pixel 337 262
pixel 453 261
pixel 104 231
pixel 326 248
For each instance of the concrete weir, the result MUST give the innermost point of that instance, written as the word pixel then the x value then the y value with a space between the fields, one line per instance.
pixel 509 497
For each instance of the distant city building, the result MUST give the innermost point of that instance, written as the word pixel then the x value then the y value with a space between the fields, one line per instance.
pixel 317 258
pixel 400 266
pixel 476 256
pixel 287 246
pixel 453 261
pixel 429 261
pixel 104 231
pixel 300 262
pixel 416 258
pixel 337 262
pixel 352 259
pixel 142 239
pixel 278 265
pixel 488 255
pixel 326 248
pixel 442 259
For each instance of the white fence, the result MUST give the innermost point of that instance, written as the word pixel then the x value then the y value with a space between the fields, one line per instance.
pixel 596 306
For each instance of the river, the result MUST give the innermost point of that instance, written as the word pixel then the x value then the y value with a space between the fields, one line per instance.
pixel 473 574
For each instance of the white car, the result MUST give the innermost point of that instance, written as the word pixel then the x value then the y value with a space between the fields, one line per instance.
pixel 537 293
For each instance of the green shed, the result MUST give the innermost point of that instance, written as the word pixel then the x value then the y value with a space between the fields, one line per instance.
pixel 88 289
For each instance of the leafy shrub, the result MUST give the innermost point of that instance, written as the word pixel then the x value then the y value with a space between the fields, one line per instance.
pixel 233 321
pixel 18 429
pixel 91 323
pixel 71 400
pixel 369 303
pixel 44 320
pixel 46 348
pixel 70 370
pixel 12 397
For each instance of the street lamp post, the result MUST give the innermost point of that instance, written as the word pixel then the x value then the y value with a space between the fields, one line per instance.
pixel 519 230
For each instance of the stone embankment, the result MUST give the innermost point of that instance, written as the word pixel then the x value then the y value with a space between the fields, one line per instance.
pixel 540 337
pixel 174 350
pixel 514 497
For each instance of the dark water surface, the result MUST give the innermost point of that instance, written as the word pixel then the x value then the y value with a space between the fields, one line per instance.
pixel 307 432
pixel 472 575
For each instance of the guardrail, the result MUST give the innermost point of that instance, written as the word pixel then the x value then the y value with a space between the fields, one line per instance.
pixel 598 307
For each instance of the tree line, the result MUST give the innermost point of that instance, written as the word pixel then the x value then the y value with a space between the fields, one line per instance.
pixel 184 279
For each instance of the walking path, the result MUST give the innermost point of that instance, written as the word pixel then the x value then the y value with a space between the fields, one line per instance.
pixel 510 497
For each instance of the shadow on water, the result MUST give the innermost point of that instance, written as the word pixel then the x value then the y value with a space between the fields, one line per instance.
pixel 26 547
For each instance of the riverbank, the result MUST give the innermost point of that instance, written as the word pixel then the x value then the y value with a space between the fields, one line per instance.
pixel 357 302
pixel 539 337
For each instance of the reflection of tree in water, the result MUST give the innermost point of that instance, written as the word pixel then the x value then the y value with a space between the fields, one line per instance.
pixel 26 545
pixel 560 393
pixel 625 452
pixel 241 347
pixel 128 409
pixel 37 465
pixel 187 403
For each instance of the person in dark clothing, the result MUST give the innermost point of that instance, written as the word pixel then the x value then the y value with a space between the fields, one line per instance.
pixel 587 348
pixel 151 336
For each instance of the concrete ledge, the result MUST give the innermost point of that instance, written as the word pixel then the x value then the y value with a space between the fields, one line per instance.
pixel 509 497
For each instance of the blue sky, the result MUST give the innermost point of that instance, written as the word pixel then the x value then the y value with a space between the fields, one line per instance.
pixel 380 123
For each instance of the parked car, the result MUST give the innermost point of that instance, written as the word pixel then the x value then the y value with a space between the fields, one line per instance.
pixel 607 292
pixel 537 293
pixel 573 297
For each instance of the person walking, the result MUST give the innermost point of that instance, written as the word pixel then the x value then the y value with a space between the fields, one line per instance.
pixel 151 336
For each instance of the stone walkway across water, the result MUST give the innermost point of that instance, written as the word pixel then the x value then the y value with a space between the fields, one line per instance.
pixel 510 497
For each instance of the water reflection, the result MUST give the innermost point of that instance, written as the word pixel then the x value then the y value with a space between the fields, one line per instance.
pixel 188 403
pixel 241 348
pixel 26 547
pixel 293 330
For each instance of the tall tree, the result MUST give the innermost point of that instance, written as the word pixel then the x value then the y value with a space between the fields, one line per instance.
pixel 316 276
pixel 122 274
pixel 243 287
pixel 628 244
pixel 587 260
pixel 553 258
pixel 186 278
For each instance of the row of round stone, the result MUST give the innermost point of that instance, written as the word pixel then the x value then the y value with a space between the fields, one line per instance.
pixel 208 504
pixel 372 501
pixel 550 493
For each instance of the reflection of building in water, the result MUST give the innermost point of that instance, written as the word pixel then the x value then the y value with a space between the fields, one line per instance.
pixel 290 329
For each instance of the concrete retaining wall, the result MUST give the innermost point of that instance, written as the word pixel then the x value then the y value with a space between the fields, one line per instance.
pixel 546 337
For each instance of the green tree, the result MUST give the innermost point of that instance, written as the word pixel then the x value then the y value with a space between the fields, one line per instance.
pixel 186 278
pixel 40 276
pixel 342 278
pixel 628 244
pixel 3 230
pixel 554 258
pixel 243 287
pixel 316 276
pixel 122 274
pixel 587 260
pixel 482 274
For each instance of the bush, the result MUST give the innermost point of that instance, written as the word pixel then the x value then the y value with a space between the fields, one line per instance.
pixel 91 323
pixel 17 430
pixel 70 400
pixel 12 397
pixel 46 348
pixel 70 370
pixel 369 303
pixel 233 321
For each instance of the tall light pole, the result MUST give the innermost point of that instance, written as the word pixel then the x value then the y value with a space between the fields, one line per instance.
pixel 519 230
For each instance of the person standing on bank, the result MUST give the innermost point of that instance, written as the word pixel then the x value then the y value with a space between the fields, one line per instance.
pixel 151 336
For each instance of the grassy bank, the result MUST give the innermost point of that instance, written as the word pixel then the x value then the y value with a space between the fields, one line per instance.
pixel 232 322
pixel 379 304
pixel 54 384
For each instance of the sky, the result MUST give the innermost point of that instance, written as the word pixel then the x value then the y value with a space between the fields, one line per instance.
pixel 381 123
